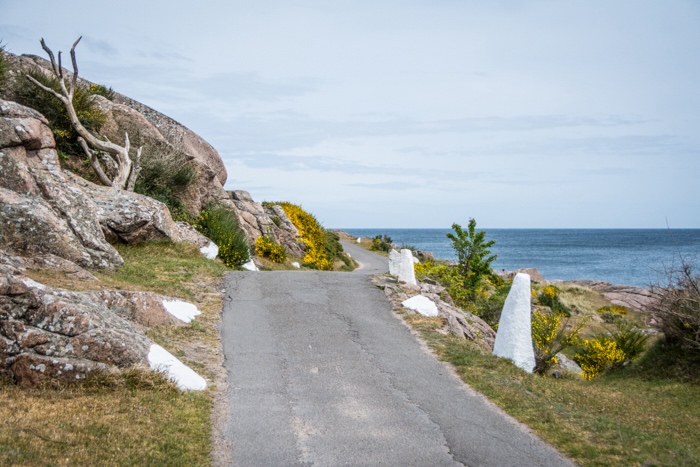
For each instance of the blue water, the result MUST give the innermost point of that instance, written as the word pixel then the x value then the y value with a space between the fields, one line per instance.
pixel 620 256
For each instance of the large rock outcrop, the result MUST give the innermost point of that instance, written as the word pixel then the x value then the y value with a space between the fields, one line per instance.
pixel 164 138
pixel 40 210
pixel 257 220
pixel 126 216
pixel 48 333
pixel 51 334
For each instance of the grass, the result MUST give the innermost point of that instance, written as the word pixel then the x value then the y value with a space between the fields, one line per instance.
pixel 632 416
pixel 103 426
pixel 137 418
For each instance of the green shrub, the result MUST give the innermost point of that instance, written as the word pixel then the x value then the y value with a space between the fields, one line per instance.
pixel 268 248
pixel 549 296
pixel 220 225
pixel 487 305
pixel 609 317
pixel 165 175
pixel 334 249
pixel 48 105
pixel 381 243
pixel 101 90
pixel 630 339
pixel 473 256
pixel 489 308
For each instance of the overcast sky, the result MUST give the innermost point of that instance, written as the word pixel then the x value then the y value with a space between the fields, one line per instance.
pixel 415 113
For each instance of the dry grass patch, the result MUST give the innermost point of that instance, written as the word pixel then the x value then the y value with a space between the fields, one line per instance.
pixel 581 299
pixel 86 425
pixel 137 418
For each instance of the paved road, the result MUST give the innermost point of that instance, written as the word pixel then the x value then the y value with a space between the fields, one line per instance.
pixel 322 373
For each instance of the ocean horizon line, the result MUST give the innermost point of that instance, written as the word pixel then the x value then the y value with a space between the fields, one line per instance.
pixel 518 228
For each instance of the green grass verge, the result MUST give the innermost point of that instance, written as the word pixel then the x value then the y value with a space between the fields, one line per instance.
pixel 632 416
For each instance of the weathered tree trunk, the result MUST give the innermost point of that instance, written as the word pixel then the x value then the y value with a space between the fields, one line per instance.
pixel 127 171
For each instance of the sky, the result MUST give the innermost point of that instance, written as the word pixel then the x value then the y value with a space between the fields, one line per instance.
pixel 415 113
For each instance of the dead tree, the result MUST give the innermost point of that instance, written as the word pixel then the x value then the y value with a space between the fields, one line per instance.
pixel 126 171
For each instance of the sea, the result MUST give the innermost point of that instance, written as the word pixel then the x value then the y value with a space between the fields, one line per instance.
pixel 637 257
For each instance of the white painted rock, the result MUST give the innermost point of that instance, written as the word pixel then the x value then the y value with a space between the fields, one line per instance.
pixel 394 262
pixel 163 361
pixel 211 251
pixel 359 239
pixel 406 272
pixel 181 310
pixel 514 336
pixel 296 265
pixel 250 266
pixel 422 305
pixel 415 260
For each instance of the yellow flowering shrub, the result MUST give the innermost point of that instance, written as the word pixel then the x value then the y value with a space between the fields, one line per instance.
pixel 549 296
pixel 550 292
pixel 312 235
pixel 423 270
pixel 267 248
pixel 598 355
pixel 550 336
pixel 617 309
pixel 101 90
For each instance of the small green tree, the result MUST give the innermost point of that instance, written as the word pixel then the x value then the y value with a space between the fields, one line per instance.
pixel 473 255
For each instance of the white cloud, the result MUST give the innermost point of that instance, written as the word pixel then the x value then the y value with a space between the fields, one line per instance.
pixel 551 114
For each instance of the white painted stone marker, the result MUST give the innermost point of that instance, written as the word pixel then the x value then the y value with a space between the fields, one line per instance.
pixel 211 251
pixel 250 266
pixel 406 272
pixel 422 305
pixel 394 262
pixel 514 336
pixel 183 311
pixel 186 379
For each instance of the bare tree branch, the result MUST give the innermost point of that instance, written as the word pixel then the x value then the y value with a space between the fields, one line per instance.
pixel 75 66
pixel 119 153
pixel 135 171
pixel 45 88
pixel 95 163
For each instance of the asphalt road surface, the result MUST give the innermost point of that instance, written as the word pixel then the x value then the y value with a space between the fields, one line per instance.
pixel 322 373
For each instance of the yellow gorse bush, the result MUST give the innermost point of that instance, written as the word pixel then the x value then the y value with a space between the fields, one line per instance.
pixel 544 328
pixel 267 248
pixel 550 336
pixel 312 235
pixel 617 309
pixel 550 292
pixel 598 355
